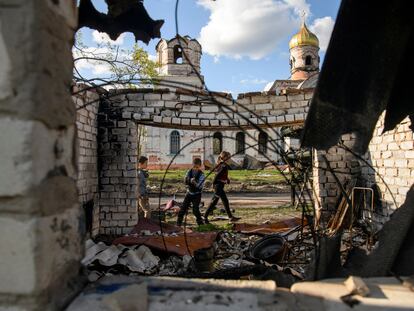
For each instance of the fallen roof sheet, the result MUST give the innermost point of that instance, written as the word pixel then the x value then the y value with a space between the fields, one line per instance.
pixel 263 229
pixel 180 244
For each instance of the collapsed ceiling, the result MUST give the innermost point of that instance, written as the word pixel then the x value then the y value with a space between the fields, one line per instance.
pixel 123 16
pixel 365 72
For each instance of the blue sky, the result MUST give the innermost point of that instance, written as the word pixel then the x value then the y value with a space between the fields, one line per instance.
pixel 245 42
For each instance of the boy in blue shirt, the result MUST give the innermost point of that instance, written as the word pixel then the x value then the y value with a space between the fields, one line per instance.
pixel 194 179
pixel 144 208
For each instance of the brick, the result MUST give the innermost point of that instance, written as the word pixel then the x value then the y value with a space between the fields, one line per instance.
pixel 261 99
pixel 409 154
pixel 126 115
pixel 210 108
pixel 158 119
pixel 277 99
pixel 206 115
pixel 205 122
pixel 28 267
pixel 23 167
pixel 263 107
pixel 158 103
pixel 136 103
pixel 169 96
pixel 296 97
pixel 135 96
pixel 191 108
pixel 195 122
pixel 185 121
pixel 151 96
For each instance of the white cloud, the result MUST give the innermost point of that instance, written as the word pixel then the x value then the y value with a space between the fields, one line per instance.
pixel 323 27
pixel 96 67
pixel 152 57
pixel 254 81
pixel 300 7
pixel 103 38
pixel 252 28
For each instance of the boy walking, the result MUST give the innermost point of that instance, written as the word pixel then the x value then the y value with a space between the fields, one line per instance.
pixel 220 180
pixel 143 199
pixel 194 179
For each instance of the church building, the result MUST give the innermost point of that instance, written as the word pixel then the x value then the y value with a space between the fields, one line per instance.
pixel 180 67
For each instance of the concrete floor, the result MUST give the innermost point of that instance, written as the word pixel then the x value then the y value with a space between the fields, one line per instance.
pixel 172 294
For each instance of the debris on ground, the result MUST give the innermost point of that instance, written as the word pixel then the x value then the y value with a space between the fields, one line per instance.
pixel 269 228
pixel 176 243
pixel 237 251
pixel 356 286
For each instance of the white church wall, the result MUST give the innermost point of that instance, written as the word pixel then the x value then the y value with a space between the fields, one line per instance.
pixel 157 148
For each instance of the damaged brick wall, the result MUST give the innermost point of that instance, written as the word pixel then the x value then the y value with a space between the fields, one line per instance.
pixel 118 119
pixel 87 104
pixel 117 176
pixel 391 156
pixel 40 229
pixel 325 186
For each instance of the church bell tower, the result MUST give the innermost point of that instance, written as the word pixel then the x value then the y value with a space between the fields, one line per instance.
pixel 304 54
pixel 179 60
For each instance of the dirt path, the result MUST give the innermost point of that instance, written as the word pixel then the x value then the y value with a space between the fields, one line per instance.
pixel 239 200
pixel 251 207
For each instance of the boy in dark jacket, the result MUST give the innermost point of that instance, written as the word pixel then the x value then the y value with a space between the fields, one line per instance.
pixel 194 179
pixel 220 180
pixel 143 198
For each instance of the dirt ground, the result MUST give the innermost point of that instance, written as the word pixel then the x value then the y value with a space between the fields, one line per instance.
pixel 251 207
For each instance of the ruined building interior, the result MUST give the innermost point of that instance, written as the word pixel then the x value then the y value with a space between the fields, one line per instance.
pixel 69 152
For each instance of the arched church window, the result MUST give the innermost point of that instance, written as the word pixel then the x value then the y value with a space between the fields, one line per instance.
pixel 175 142
pixel 217 143
pixel 263 138
pixel 240 143
pixel 178 55
pixel 308 60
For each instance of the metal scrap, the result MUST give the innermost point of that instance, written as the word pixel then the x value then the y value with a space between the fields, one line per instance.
pixel 154 248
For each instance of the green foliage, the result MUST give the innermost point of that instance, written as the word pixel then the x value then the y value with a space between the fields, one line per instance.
pixel 148 68
pixel 128 67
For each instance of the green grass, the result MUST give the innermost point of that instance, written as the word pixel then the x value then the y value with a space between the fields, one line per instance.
pixel 248 215
pixel 251 176
pixel 213 227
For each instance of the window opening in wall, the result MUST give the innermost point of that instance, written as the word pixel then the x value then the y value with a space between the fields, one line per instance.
pixel 175 142
pixel 178 55
pixel 263 138
pixel 240 143
pixel 217 143
pixel 308 60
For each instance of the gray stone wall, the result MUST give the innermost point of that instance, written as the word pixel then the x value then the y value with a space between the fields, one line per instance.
pixel 392 156
pixel 118 175
pixel 40 233
pixel 87 104
pixel 388 164
pixel 343 167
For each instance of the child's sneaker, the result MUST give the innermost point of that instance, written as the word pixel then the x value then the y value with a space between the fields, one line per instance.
pixel 234 219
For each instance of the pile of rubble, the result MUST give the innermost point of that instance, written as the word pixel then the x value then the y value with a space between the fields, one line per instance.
pixel 247 251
